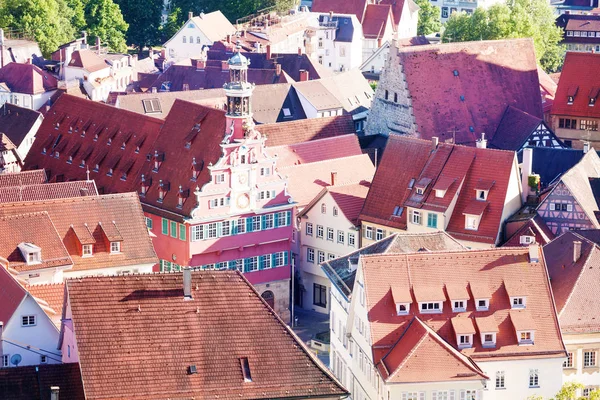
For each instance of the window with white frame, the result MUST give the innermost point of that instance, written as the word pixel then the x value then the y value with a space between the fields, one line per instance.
pixel 525 337
pixel 279 259
pixel 219 178
pixel 282 218
pixel 459 305
pixel 402 308
pixel 269 221
pixel 5 360
pixel 482 304
pixel 241 225
pixel 320 231
pixel 471 222
pixel 369 232
pixel 340 237
pixel 265 171
pixel 468 395
pixel 256 223
pixel 518 302
pixel 413 395
pixel 525 239
pixel 416 217
pixel 320 256
pixel 28 320
pixel 482 194
pixel 226 228
pixel 87 250
pixel 115 247
pixel 252 263
pixel 500 380
pixel 330 234
pixel 443 395
pixel 197 233
pixel 568 363
pixel 43 359
pixel 330 256
pixel 335 211
pixel 431 307
pixel 488 339
pixel 589 359
pixel 211 231
pixel 379 234
pixel 351 240
pixel 309 229
pixel 465 341
pixel 534 378
pixel 219 202
pixel 310 255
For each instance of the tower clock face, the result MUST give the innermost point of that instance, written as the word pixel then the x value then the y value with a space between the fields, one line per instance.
pixel 243 201
pixel 242 178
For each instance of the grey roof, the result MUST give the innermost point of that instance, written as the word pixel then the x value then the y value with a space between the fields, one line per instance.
pixel 551 163
pixel 342 275
pixel 344 29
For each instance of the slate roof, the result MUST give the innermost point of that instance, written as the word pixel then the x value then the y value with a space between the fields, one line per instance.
pixel 225 311
pixel 338 271
pixel 51 297
pixel 515 129
pixel 286 133
pixel 34 382
pixel 344 27
pixel 69 217
pixel 551 163
pixel 16 122
pixel 27 79
pixel 315 150
pixel 22 178
pixel 47 191
pixel 506 70
pixel 305 181
pixel 493 268
pixel 580 76
pixel 447 164
pixel 574 283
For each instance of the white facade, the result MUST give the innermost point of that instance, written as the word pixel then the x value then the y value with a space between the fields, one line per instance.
pixel 339 237
pixel 311 111
pixel 58 275
pixel 376 61
pixel 338 53
pixel 447 7
pixel 582 365
pixel 31 101
pixel 30 335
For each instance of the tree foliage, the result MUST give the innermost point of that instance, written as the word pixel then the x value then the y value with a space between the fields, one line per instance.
pixel 144 19
pixel 104 20
pixel 518 19
pixel 232 9
pixel 429 18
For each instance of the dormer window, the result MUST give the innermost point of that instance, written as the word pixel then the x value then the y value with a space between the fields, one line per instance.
pixel 517 302
pixel 488 340
pixel 465 341
pixel 459 305
pixel 572 91
pixel 110 172
pixel 464 331
pixel 398 211
pixel 570 100
pixel 31 253
pixel 471 222
pixel 592 102
pixel 115 247
pixel 482 304
pixel 482 194
pixel 488 328
pixel 158 160
pixel 422 185
pixel 411 183
pixel 526 337
pixel 87 250
pixel 82 164
pixel 402 298
pixel 431 307
pixel 246 369
pixel 219 178
pixel 526 239
pixel 56 154
pixel 420 190
pixel 402 308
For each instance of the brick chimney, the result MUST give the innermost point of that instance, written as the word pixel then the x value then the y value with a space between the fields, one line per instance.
pixel 576 251
pixel 333 178
pixel 303 75
pixel 269 55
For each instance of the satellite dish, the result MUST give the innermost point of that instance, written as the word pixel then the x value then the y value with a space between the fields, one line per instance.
pixel 16 359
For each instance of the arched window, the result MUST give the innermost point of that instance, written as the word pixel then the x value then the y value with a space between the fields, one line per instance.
pixel 335 211
pixel 323 208
pixel 269 297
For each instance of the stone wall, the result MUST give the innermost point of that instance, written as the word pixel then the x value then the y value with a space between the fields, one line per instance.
pixel 281 292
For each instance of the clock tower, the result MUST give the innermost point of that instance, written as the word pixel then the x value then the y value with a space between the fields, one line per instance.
pixel 238 91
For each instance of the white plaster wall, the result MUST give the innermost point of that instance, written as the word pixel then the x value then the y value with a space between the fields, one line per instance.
pixel 42 338
pixel 578 344
pixel 177 50
pixel 138 269
pixel 513 200
pixel 309 109
pixel 25 145
pixel 407 27
pixel 70 353
pixel 516 378
pixel 32 102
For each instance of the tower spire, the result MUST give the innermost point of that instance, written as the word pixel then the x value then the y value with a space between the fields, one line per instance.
pixel 239 92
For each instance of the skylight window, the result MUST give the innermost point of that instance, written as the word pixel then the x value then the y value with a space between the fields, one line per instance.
pixel 411 183
pixel 286 112
pixel 246 369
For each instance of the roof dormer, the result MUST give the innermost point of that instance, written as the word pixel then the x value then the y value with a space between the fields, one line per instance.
pixel 594 91
pixel 431 299
pixel 31 253
pixel 517 293
pixel 402 299
pixel 464 330
pixel 481 295
pixel 422 185
pixel 571 93
pixel 182 196
pixel 524 326
pixel 473 214
pixel 458 296
pixel 158 159
pixel 488 329
pixel 442 185
pixel 163 188
pixel 482 189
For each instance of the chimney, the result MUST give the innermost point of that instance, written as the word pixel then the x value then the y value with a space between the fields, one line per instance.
pixel 269 55
pixel 586 147
pixel 299 51
pixel 303 75
pixel 153 90
pixel 482 143
pixel 228 38
pixel 434 142
pixel 224 65
pixel 534 253
pixel 526 170
pixel 333 178
pixel 54 392
pixel 330 15
pixel 187 283
pixel 576 251
pixel 200 65
pixel 84 36
pixel 190 15
pixel 278 69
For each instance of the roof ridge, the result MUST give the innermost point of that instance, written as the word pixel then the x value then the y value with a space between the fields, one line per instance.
pixel 74 199
pixel 16 216
pixel 507 249
pixel 321 162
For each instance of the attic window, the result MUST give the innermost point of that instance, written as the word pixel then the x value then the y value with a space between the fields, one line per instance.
pixel 246 369
pixel 455 72
pixel 420 190
pixel 488 340
pixel 440 193
pixel 482 194
pixel 482 304
pixel 517 302
pixel 402 308
pixel 471 222
pixel 525 337
pixel 570 100
pixel 31 253
pixel 459 305
pixel 286 112
pixel 431 307
pixel 87 250
pixel 525 239
pixel 465 341
pixel 151 106
pixel 115 247
pixel 592 102
pixel 398 211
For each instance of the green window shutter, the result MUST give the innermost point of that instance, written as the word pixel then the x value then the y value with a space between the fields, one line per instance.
pixel 182 231
pixel 286 257
pixel 165 226
pixel 263 222
pixel 174 229
pixel 234 227
pixel 276 220
pixel 231 264
pixel 288 218
pixel 249 224
pixel 272 259
pixel 261 262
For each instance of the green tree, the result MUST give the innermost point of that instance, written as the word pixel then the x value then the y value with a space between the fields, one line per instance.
pixel 568 391
pixel 232 9
pixel 48 21
pixel 429 18
pixel 518 19
pixel 169 28
pixel 77 8
pixel 143 17
pixel 104 20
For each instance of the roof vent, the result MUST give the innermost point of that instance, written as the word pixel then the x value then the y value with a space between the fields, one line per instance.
pixel 462 97
pixel 455 72
pixel 192 370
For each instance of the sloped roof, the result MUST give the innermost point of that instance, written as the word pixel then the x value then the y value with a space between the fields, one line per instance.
pixel 420 349
pixel 338 271
pixel 27 79
pixel 27 383
pixel 491 76
pixel 315 150
pixel 579 74
pixel 225 310
pixel 514 129
pixel 51 297
pixel 11 295
pixel 214 25
pixel 22 178
pixel 548 89
pixel 551 163
pixel 356 7
pixel 88 60
pixel 574 283
pixel 16 122
pixel 376 19
pixel 350 199
pixel 434 270
pixel 305 181
pixel 535 227
pixel 69 216
pixel 286 133
pixel 446 163
pixel 47 191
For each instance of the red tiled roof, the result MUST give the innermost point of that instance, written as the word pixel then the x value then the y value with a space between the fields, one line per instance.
pixel 27 383
pixel 316 150
pixel 454 165
pixel 548 87
pixel 88 60
pixel 463 325
pixel 305 181
pixel 51 298
pixel 486 324
pixel 36 228
pixel 580 73
pixel 376 18
pixel 350 199
pixel 286 133
pixel 22 178
pixel 71 214
pixel 47 191
pixel 16 122
pixel 505 70
pixel 225 311
pixel 591 23
pixel 535 227
pixel 493 267
pixel 11 295
pixel 27 79
pixel 421 349
pixel 356 7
